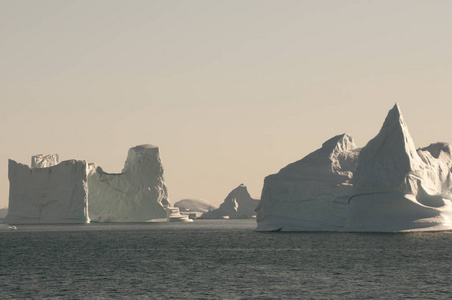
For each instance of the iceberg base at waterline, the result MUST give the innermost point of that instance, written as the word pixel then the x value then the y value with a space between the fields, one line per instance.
pixel 393 212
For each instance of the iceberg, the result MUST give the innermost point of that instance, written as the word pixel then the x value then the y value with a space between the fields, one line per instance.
pixel 311 194
pixel 399 188
pixel 387 186
pixel 54 194
pixel 237 205
pixel 193 205
pixel 137 194
pixel 174 215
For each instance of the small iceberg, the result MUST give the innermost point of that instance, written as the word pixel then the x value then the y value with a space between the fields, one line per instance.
pixel 174 215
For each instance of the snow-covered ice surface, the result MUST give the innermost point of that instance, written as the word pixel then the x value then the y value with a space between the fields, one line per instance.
pixel 386 186
pixel 137 194
pixel 237 205
pixel 56 194
pixel 44 161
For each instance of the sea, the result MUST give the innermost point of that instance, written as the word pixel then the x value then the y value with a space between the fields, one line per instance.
pixel 219 259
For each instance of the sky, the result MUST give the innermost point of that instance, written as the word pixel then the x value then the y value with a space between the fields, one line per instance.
pixel 230 91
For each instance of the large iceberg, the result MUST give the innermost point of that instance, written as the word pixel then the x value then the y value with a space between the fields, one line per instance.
pixel 386 186
pixel 54 194
pixel 137 194
pixel 397 187
pixel 237 205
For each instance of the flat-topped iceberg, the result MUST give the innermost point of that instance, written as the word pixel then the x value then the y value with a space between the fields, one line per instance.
pixel 386 186
pixel 55 194
pixel 137 194
pixel 237 205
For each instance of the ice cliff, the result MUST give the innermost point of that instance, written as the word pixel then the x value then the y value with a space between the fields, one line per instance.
pixel 386 186
pixel 54 194
pixel 137 194
pixel 237 205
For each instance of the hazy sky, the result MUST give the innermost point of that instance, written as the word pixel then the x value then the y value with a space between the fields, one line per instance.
pixel 231 91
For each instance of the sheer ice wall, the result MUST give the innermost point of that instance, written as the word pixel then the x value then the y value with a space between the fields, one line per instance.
pixel 56 194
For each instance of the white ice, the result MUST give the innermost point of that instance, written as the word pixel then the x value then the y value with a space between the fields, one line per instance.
pixel 137 194
pixel 56 194
pixel 237 205
pixel 44 161
pixel 386 186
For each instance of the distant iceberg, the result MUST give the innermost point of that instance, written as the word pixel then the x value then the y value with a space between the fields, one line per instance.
pixel 194 208
pixel 386 186
pixel 237 205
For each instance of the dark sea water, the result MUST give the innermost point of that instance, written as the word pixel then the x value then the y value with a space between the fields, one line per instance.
pixel 222 259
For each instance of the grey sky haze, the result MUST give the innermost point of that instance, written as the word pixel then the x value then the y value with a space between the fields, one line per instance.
pixel 231 91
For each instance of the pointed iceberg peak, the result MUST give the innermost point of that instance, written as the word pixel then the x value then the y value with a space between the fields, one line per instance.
pixel 241 189
pixel 388 157
pixel 237 205
pixel 396 107
pixel 394 119
pixel 395 129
